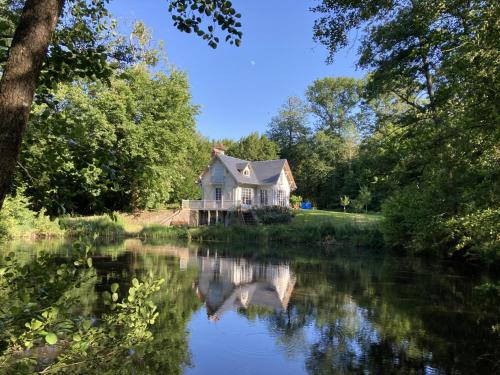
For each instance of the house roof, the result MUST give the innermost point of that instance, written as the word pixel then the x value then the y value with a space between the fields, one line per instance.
pixel 265 172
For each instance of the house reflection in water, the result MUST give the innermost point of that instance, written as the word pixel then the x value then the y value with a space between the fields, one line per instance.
pixel 229 284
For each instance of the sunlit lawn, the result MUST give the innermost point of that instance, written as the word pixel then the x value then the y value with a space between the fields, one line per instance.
pixel 319 216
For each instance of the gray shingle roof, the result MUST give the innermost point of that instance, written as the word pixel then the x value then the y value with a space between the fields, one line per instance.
pixel 265 172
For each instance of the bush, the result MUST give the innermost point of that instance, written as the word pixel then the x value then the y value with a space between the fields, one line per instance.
pixel 295 201
pixel 477 234
pixel 274 215
pixel 18 220
pixel 99 226
pixel 412 221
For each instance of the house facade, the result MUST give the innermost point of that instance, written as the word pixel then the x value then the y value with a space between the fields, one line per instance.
pixel 230 183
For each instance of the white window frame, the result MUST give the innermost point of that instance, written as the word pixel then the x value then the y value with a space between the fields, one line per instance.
pixel 281 198
pixel 264 197
pixel 246 196
pixel 218 194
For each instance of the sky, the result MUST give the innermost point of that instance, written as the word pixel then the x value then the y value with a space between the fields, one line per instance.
pixel 240 89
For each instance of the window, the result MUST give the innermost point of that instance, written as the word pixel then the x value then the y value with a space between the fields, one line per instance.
pixel 246 196
pixel 263 198
pixel 246 172
pixel 281 198
pixel 218 194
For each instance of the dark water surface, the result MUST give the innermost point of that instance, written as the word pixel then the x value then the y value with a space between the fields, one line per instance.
pixel 283 310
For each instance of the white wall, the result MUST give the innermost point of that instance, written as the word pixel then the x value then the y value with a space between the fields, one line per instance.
pixel 218 170
pixel 281 185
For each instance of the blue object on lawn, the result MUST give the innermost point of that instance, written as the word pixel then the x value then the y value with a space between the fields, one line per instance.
pixel 306 205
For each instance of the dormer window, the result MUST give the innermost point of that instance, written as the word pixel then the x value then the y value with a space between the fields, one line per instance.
pixel 246 172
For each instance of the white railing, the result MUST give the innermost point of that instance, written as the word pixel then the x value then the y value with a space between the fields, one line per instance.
pixel 211 205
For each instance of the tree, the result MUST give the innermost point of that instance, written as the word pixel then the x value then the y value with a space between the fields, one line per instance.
pixel 120 147
pixel 345 201
pixel 336 103
pixel 28 51
pixel 253 147
pixel 364 197
pixel 290 126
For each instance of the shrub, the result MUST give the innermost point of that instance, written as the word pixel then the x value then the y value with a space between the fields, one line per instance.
pixel 295 201
pixel 274 215
pixel 477 234
pixel 18 220
pixel 99 226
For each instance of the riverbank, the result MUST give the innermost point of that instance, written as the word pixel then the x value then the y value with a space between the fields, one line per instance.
pixel 325 227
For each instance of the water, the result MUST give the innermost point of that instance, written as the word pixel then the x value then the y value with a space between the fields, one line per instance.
pixel 283 310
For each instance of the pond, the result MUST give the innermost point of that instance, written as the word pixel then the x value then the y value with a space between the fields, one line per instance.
pixel 300 310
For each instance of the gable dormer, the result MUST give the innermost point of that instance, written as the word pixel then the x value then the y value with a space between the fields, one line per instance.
pixel 244 169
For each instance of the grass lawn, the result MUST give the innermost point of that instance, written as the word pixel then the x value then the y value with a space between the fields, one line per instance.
pixel 311 217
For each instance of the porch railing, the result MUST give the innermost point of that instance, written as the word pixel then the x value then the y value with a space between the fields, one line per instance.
pixel 211 205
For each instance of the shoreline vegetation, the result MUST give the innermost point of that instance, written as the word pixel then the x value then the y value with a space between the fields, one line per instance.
pixel 315 226
pixel 325 227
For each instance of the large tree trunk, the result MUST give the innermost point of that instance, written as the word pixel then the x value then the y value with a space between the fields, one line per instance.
pixel 17 87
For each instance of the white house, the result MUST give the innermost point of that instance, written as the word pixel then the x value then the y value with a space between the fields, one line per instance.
pixel 234 184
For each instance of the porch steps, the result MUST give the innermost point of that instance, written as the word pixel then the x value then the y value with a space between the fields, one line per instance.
pixel 248 218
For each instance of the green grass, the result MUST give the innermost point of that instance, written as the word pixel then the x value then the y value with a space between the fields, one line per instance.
pixel 311 227
pixel 316 217
pixel 89 226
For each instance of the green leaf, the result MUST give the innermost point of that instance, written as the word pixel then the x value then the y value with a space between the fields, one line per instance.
pixel 87 324
pixel 89 262
pixel 114 287
pixel 51 338
pixel 135 282
pixel 114 296
pixel 106 295
pixel 36 324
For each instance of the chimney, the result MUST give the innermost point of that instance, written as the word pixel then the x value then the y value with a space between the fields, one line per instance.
pixel 218 149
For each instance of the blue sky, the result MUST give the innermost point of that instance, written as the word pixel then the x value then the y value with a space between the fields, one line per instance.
pixel 240 89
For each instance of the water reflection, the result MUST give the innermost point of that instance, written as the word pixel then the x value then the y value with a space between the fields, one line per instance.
pixel 284 310
pixel 231 284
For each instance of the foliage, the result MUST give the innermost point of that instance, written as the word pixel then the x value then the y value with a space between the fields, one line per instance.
pixel 39 310
pixel 345 201
pixel 97 226
pixel 364 197
pixel 431 146
pixel 290 126
pixel 198 158
pixel 17 219
pixel 274 215
pixel 103 148
pixel 335 103
pixel 253 147
pixel 477 234
pixel 186 16
pixel 295 201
